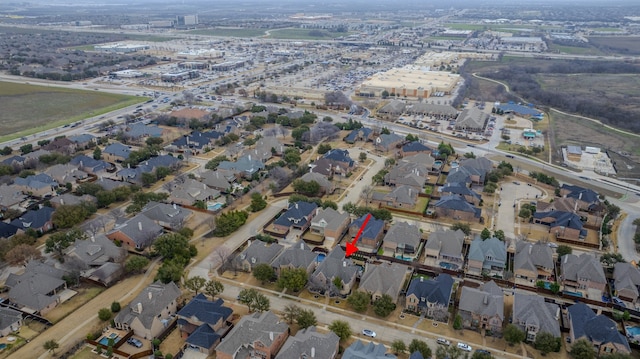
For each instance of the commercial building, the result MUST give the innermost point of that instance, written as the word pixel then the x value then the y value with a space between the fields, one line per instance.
pixel 186 21
pixel 409 81
pixel 121 48
pixel 179 76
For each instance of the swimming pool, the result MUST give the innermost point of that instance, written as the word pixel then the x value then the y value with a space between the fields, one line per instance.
pixel 454 164
pixel 105 340
pixel 437 163
pixel 633 331
pixel 214 207
pixel 575 294
pixel 2 346
pixel 320 257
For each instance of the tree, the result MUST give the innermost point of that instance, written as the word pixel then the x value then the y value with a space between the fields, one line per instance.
pixel 457 322
pixel 464 227
pixel 499 233
pixel 485 234
pixel 135 264
pixel 253 300
pixel 359 301
pixel 291 156
pixel 582 349
pixel 310 188
pixel 323 148
pixel 610 259
pixel 362 156
pixel 291 312
pixel 195 284
pixel 398 346
pixel 115 307
pixel 21 254
pixel 441 352
pixel 60 241
pixel 341 328
pixel 213 163
pixel 51 346
pixel 453 352
pixel 104 314
pixel 170 271
pixel 554 287
pixel 293 278
pixel 257 202
pixel 263 272
pixel 513 335
pixel 148 178
pixel 384 305
pixel 24 149
pixel 481 355
pixel 67 216
pixel 213 288
pixel 306 318
pixel 420 346
pixel 524 213
pixel 6 150
pixel 97 153
pixel 174 246
pixel 563 249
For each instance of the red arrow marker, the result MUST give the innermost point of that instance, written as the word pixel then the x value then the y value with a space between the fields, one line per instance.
pixel 351 246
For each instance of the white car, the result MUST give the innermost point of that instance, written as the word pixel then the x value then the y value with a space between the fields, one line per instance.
pixel 368 333
pixel 464 347
pixel 443 341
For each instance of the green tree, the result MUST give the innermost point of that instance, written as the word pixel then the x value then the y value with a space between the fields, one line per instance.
pixel 291 312
pixel 104 314
pixel 6 150
pixel 135 264
pixel 213 288
pixel 148 178
pixel 227 223
pixel 306 318
pixel 398 346
pixel 524 213
pixel 254 300
pixel 105 198
pixel 481 355
pixel 257 202
pixel 51 346
pixel 59 241
pixel 170 271
pixel 384 305
pixel 362 157
pixel 264 272
pixel 513 335
pixel 420 346
pixel 457 322
pixel 291 156
pixel 485 234
pixel 359 301
pixel 453 352
pixel 582 349
pixel 441 352
pixel 213 163
pixel 341 328
pixel 384 94
pixel 97 153
pixel 499 233
pixel 24 149
pixel 174 246
pixel 554 287
pixel 195 283
pixel 115 307
pixel 323 148
pixel 385 131
pixel 293 278
pixel 67 216
pixel 310 188
pixel 464 227
pixel 563 249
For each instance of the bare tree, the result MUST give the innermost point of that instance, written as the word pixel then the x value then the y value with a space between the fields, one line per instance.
pixel 222 255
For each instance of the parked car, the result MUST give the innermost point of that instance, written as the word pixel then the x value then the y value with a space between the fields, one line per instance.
pixel 618 301
pixel 368 333
pixel 443 341
pixel 135 342
pixel 482 351
pixel 464 347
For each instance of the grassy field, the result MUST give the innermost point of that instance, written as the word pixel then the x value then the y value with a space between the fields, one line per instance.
pixel 302 34
pixel 574 50
pixel 617 45
pixel 27 109
pixel 229 32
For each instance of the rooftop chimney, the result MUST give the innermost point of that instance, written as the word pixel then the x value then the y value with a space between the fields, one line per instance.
pixel 175 206
pixel 139 307
pixel 150 295
pixel 313 352
pixel 140 226
pixel 271 336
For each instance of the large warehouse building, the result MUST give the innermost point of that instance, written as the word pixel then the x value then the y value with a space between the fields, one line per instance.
pixel 409 81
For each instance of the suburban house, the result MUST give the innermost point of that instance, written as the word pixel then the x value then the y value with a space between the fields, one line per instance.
pixel 586 198
pixel 482 307
pixel 394 108
pixel 138 232
pixel 460 189
pixel 626 283
pixel 533 262
pixel 534 315
pixel 196 141
pixel 150 312
pixel 335 268
pixel 430 296
pixel 217 180
pixel 444 249
pixel 410 174
pixel 10 321
pixel 83 141
pixel 600 330
pixel 7 230
pixel 403 239
pixel 270 144
pixel 371 236
pixel 340 161
pixel 388 142
pixel 456 207
pixel 10 197
pixel 15 161
pixel 244 167
pixel 190 191
pixel 139 131
pixel 70 199
pixel 39 220
pixel 487 257
pixel 257 252
pixel 583 274
pixel 202 323
pixel 472 119
pixel 441 112
pixel 66 173
pixel 38 289
pixel 166 215
pixel 298 216
pixel 308 343
pixel 39 185
pixel 99 258
pixel 361 134
pixel 473 169
pixel 423 159
pixel 299 255
pixel 371 350
pixel 383 278
pixel 257 335
pixel 116 152
pixel 413 148
pixel 326 186
pixel 322 166
pixel 329 223
pixel 562 224
pixel 134 175
pixel 91 165
pixel 61 145
pixel 400 197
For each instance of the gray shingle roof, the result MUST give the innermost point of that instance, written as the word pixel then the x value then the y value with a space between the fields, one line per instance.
pixel 152 300
pixel 139 228
pixel 31 288
pixel 531 256
pixel 97 251
pixel 532 310
pixel 34 218
pixel 298 255
pixel 492 248
pixel 330 218
pixel 321 179
pixel 457 203
pixel 360 350
pixel 296 214
pixel 117 149
pixel 256 327
pixel 583 266
pixel 164 212
pixel 446 242
pixel 436 290
pixel 597 328
pixel 405 234
pixel 9 317
pixel 383 279
pixel 308 343
pixel 486 300
pixel 259 252
pixel 626 276
pixel 204 310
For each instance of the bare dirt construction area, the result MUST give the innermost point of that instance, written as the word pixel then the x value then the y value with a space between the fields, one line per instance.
pixel 28 109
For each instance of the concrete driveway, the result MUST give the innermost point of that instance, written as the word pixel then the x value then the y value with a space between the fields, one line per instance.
pixel 355 188
pixel 512 196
